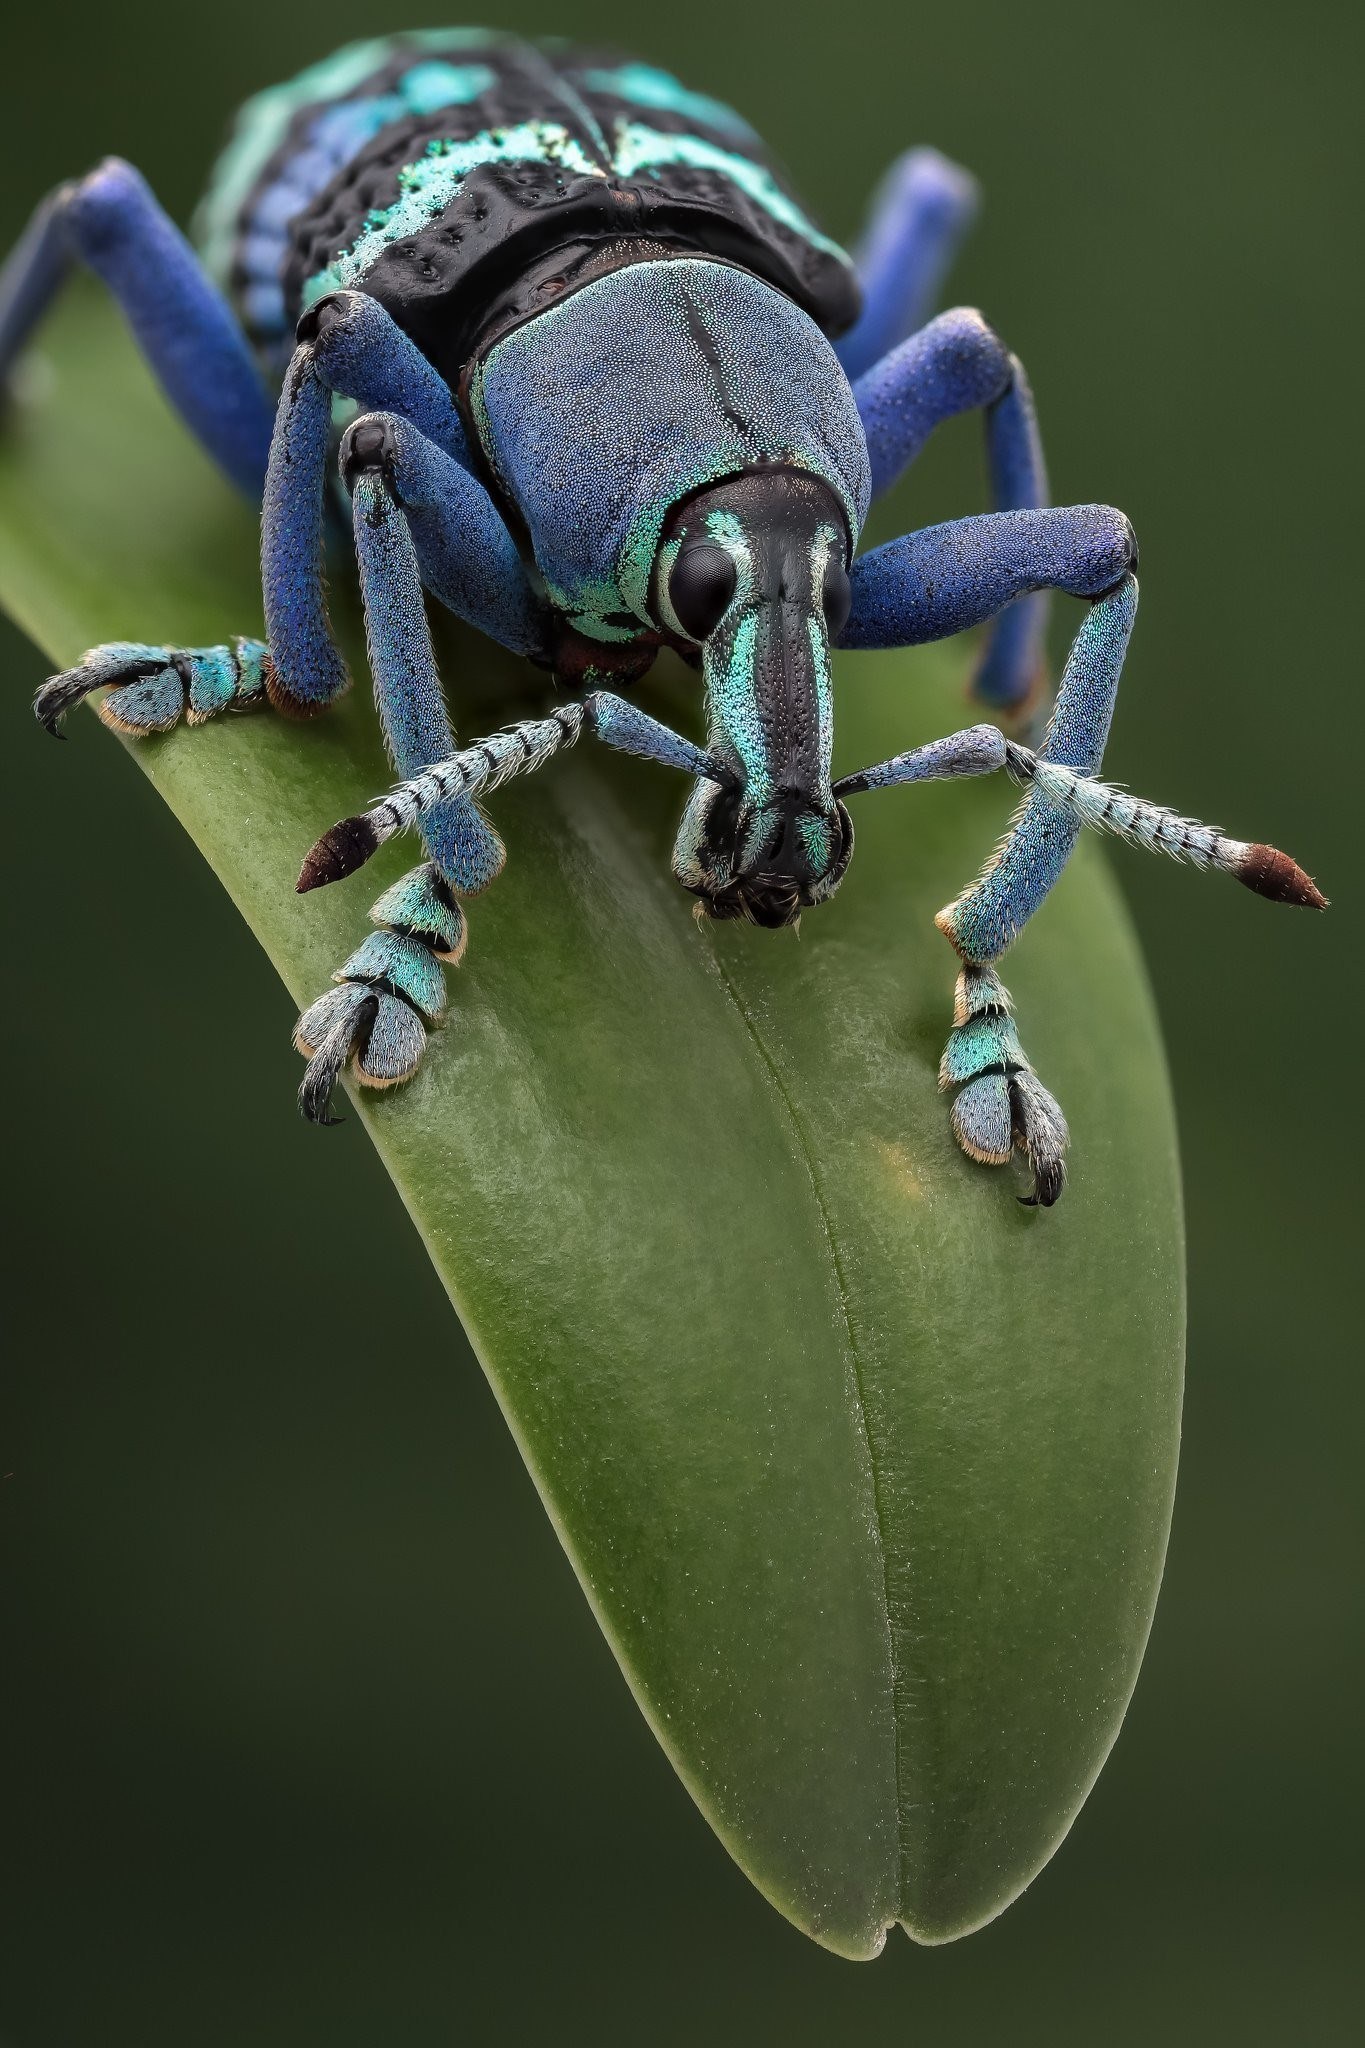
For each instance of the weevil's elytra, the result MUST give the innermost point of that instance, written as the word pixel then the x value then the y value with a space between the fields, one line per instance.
pixel 616 390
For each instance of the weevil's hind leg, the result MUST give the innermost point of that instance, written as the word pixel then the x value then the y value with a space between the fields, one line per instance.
pixel 181 321
pixel 958 364
pixel 150 689
pixel 392 988
pixel 920 213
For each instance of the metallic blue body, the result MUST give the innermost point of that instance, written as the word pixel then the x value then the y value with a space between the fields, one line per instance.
pixel 612 389
pixel 568 412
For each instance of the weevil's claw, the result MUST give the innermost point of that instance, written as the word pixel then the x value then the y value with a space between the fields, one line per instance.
pixel 380 1034
pixel 60 694
pixel 320 1077
pixel 1041 1134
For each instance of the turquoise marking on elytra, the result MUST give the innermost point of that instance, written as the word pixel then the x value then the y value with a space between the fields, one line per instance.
pixel 334 136
pixel 645 149
pixel 648 87
pixel 429 87
pixel 427 187
pixel 263 125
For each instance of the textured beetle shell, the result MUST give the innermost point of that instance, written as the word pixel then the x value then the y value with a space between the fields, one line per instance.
pixel 565 412
pixel 429 169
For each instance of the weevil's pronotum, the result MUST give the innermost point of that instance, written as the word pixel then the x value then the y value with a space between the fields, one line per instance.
pixel 617 391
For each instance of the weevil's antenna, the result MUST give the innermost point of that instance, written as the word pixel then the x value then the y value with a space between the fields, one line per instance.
pixel 489 763
pixel 982 749
pixel 1264 869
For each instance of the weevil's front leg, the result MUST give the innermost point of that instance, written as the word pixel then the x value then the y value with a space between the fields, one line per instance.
pixel 920 212
pixel 1001 1105
pixel 958 364
pixel 418 517
pixel 181 321
pixel 384 990
pixel 924 587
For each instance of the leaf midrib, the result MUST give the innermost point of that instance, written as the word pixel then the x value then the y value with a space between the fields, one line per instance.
pixel 807 1156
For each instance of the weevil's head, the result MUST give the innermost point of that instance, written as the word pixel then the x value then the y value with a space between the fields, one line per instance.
pixel 686 456
pixel 753 575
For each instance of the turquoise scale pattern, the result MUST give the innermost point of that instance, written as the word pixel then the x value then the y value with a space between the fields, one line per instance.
pixel 406 160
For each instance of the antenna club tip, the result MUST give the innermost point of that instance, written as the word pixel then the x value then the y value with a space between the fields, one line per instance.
pixel 1279 879
pixel 337 854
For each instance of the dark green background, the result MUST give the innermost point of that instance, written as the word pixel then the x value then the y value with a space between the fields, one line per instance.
pixel 311 1736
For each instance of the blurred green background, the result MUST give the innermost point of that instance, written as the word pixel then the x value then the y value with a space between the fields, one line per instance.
pixel 309 1733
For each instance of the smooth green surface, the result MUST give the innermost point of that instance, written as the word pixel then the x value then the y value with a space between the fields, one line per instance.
pixel 866 1469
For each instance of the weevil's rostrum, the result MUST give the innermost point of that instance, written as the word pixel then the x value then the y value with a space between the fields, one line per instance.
pixel 613 390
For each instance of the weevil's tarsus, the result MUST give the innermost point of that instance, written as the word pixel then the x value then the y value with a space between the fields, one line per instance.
pixel 1001 1106
pixel 150 689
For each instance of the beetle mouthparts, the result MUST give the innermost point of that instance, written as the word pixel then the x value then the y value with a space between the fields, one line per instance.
pixel 769 901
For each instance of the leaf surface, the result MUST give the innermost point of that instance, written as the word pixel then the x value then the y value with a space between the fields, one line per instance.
pixel 866 1470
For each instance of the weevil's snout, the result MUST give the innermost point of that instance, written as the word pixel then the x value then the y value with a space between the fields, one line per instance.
pixel 764 863
pixel 753 575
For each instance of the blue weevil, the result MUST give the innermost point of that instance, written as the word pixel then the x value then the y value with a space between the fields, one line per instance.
pixel 616 391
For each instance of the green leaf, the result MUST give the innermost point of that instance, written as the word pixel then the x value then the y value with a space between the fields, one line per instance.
pixel 866 1470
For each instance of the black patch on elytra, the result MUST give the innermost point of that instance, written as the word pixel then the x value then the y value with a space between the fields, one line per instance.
pixel 440 282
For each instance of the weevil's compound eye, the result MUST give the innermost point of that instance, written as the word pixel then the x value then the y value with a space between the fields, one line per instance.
pixel 700 587
pixel 837 596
